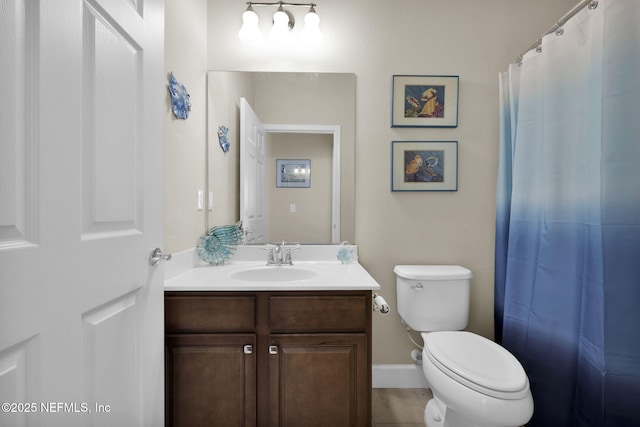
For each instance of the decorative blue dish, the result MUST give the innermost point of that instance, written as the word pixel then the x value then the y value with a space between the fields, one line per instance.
pixel 180 98
pixel 222 138
pixel 220 243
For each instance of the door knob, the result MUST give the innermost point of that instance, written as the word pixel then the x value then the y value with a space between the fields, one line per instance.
pixel 157 255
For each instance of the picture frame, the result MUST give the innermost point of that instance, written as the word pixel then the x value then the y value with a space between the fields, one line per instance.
pixel 424 101
pixel 293 173
pixel 424 166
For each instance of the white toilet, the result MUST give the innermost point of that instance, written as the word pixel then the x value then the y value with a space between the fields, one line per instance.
pixel 474 381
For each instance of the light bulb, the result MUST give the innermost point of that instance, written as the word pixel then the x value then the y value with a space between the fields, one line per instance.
pixel 250 32
pixel 280 33
pixel 311 34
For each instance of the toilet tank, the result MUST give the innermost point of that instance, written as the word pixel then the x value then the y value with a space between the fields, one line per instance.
pixel 433 297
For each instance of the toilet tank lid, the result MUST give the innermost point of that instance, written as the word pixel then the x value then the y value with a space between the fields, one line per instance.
pixel 432 272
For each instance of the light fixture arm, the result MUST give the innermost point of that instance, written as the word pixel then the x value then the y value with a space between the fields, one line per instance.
pixel 280 3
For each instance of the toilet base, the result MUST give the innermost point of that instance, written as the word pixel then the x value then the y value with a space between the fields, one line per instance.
pixel 436 414
pixel 433 417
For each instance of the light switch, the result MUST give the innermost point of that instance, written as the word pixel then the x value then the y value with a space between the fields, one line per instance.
pixel 292 208
pixel 200 202
pixel 210 200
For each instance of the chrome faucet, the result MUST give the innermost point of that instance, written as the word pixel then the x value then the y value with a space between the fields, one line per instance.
pixel 276 256
pixel 276 251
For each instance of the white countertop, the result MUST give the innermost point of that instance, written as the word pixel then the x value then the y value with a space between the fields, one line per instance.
pixel 330 274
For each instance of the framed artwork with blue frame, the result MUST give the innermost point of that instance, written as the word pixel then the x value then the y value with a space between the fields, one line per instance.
pixel 424 101
pixel 293 173
pixel 424 165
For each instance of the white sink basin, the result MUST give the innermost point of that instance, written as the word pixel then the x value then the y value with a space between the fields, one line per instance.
pixel 274 274
pixel 316 268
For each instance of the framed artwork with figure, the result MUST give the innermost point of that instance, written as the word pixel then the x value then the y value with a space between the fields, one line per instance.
pixel 424 166
pixel 424 101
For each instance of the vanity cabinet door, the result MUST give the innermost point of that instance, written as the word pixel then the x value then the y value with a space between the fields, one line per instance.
pixel 210 380
pixel 318 380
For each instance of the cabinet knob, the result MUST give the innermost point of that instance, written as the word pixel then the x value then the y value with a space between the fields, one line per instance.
pixel 273 349
pixel 248 349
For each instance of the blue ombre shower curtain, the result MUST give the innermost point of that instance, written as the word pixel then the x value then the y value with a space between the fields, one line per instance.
pixel 567 290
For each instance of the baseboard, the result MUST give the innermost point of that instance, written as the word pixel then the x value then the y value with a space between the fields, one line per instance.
pixel 398 376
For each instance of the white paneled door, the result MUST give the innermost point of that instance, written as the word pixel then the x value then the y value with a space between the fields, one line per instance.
pixel 81 103
pixel 252 186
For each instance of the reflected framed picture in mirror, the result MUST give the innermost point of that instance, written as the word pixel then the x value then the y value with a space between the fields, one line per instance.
pixel 424 101
pixel 293 173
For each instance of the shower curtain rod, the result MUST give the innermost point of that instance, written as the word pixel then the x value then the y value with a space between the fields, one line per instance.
pixel 592 4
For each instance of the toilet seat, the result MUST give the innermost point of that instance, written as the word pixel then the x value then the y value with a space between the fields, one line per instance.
pixel 477 363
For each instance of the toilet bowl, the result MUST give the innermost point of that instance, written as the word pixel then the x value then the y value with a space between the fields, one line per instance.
pixel 474 381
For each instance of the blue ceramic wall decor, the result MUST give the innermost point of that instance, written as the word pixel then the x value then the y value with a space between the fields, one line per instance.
pixel 180 99
pixel 222 138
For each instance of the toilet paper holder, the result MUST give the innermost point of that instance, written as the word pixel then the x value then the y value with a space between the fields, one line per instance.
pixel 380 304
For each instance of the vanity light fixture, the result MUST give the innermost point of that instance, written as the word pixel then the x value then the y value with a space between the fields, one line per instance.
pixel 283 23
pixel 311 34
pixel 250 32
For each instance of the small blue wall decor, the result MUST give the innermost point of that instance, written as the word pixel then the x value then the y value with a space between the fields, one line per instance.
pixel 222 138
pixel 180 99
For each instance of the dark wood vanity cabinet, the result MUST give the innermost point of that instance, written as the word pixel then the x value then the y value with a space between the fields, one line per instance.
pixel 210 359
pixel 268 358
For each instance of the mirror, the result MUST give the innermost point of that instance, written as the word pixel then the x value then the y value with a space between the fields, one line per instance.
pixel 302 113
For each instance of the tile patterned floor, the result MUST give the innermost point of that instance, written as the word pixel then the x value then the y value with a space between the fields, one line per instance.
pixel 399 407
